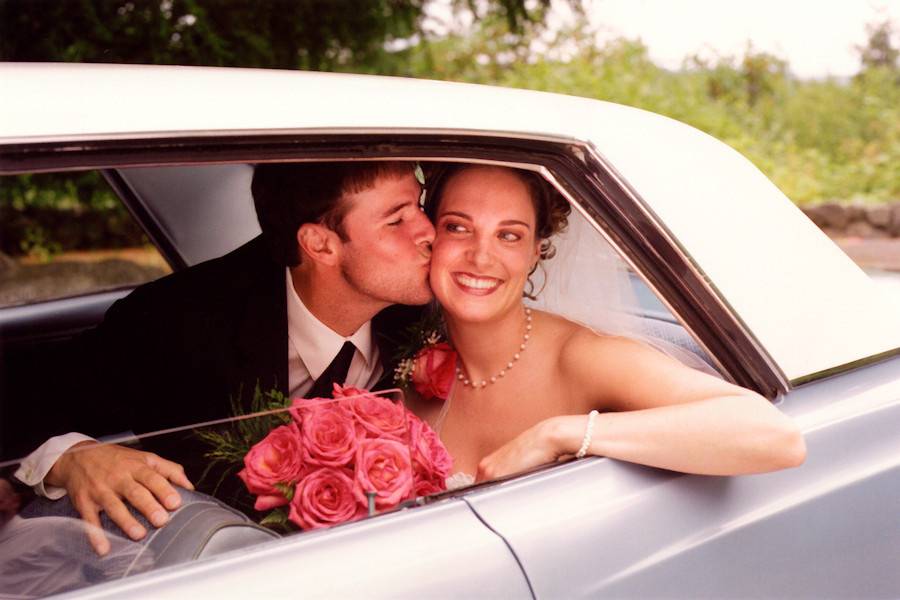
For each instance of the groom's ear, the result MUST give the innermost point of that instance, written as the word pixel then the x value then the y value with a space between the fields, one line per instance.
pixel 318 243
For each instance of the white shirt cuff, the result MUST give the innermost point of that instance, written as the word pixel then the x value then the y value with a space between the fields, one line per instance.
pixel 36 465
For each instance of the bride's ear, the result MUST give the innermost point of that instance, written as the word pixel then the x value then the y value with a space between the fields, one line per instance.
pixel 319 243
pixel 538 246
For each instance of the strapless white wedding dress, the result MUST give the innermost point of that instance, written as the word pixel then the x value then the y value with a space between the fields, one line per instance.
pixel 459 480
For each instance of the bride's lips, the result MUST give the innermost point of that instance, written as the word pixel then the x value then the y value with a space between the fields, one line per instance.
pixel 478 285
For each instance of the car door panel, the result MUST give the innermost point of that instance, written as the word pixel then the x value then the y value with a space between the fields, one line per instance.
pixel 441 550
pixel 829 528
pixel 61 318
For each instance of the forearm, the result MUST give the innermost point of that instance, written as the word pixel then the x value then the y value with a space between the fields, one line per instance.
pixel 720 436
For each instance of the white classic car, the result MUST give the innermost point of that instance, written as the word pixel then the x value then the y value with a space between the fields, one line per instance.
pixel 722 260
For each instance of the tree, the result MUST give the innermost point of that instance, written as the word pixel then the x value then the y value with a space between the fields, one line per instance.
pixel 880 49
pixel 290 34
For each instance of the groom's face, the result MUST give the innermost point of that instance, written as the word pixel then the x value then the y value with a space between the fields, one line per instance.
pixel 388 252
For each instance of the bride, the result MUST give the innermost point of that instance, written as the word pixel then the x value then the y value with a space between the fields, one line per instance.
pixel 532 386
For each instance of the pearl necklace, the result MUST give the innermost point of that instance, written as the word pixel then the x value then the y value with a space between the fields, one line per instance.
pixel 483 383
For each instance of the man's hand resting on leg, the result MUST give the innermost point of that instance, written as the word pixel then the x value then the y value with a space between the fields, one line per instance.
pixel 102 477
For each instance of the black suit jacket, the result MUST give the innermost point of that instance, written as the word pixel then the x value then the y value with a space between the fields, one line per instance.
pixel 176 351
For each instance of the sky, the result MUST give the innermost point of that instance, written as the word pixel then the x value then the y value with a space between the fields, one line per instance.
pixel 816 37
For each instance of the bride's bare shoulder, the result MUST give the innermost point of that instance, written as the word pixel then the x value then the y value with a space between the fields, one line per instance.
pixel 553 323
pixel 573 336
pixel 583 349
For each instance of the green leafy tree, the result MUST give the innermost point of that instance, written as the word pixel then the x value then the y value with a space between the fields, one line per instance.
pixel 818 140
pixel 881 49
pixel 289 34
pixel 345 35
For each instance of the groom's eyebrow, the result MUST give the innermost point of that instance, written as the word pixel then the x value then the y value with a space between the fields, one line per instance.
pixel 396 208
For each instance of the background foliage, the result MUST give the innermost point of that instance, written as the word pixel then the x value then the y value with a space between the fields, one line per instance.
pixel 819 140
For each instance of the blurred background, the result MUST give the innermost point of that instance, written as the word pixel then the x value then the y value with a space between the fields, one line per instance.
pixel 809 91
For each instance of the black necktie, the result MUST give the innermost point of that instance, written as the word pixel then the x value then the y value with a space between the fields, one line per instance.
pixel 336 372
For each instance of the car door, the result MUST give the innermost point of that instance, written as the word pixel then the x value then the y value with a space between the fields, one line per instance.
pixel 602 528
pixel 440 550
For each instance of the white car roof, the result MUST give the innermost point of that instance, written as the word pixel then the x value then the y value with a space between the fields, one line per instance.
pixel 806 303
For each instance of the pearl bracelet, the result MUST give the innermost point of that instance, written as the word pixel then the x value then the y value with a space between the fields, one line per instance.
pixel 588 434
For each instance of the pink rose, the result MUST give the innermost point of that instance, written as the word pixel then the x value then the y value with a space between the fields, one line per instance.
pixel 276 459
pixel 348 391
pixel 431 462
pixel 383 466
pixel 377 416
pixel 434 370
pixel 325 497
pixel 426 487
pixel 300 406
pixel 328 433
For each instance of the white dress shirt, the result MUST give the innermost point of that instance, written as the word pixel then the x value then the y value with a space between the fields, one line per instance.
pixel 311 348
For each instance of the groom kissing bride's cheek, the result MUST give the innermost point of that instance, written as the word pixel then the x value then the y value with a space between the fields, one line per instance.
pixel 308 303
pixel 345 256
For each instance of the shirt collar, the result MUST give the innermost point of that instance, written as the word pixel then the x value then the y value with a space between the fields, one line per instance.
pixel 315 342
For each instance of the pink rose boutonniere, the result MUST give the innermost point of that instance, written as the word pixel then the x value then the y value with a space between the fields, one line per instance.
pixel 427 363
pixel 434 368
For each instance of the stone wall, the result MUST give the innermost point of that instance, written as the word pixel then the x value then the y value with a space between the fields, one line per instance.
pixel 856 220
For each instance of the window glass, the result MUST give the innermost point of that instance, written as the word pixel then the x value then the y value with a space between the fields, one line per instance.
pixel 180 198
pixel 68 234
pixel 286 469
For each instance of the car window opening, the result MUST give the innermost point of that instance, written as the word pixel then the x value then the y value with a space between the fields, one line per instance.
pixel 219 457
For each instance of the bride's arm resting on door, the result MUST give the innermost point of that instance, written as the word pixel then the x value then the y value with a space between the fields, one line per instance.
pixel 657 412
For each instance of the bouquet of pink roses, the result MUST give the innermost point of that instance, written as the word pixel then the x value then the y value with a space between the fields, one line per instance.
pixel 335 457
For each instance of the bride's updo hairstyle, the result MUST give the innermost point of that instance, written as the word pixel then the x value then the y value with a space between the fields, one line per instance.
pixel 550 208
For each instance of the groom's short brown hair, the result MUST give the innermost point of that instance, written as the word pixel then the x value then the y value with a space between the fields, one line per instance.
pixel 287 195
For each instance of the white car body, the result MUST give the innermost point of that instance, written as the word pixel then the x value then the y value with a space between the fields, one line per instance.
pixel 774 303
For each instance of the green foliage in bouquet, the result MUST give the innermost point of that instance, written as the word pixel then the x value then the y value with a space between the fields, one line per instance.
pixel 231 442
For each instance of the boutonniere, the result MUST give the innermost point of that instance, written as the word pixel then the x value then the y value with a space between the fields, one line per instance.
pixel 427 362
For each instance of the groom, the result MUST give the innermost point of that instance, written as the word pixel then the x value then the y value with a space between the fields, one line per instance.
pixel 302 305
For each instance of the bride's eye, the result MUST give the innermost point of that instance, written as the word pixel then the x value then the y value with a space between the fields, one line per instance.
pixel 509 236
pixel 451 227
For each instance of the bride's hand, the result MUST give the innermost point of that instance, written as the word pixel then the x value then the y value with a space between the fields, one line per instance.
pixel 538 445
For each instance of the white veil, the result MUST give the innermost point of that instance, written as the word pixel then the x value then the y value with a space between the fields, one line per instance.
pixel 589 283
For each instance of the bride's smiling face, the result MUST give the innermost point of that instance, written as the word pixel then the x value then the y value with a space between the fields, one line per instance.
pixel 485 244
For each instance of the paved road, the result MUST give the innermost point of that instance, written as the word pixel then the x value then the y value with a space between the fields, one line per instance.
pixel 873 254
pixel 880 258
